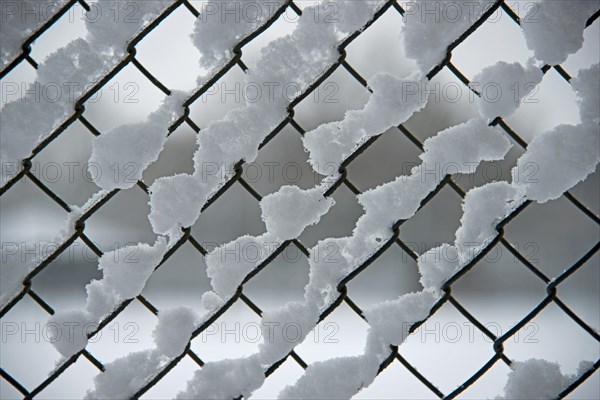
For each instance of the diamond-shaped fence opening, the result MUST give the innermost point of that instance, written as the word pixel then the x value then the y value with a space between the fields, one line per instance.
pixel 531 291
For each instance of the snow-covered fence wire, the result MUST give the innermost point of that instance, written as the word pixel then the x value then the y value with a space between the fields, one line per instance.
pixel 309 55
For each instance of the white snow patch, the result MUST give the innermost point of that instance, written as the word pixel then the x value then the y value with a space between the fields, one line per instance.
pixel 110 29
pixel 124 376
pixel 127 275
pixel 538 379
pixel 483 208
pixel 19 22
pixel 125 272
pixel 235 377
pixel 587 84
pixel 438 264
pixel 68 331
pixel 174 330
pixel 502 87
pixel 431 26
pixel 228 265
pixel 464 146
pixel 170 199
pixel 290 210
pixel 275 346
pixel 16 265
pixel 123 154
pixel 211 301
pixel 338 378
pixel 224 23
pixel 393 101
pixel 352 15
pixel 554 29
pixel 391 320
pixel 557 160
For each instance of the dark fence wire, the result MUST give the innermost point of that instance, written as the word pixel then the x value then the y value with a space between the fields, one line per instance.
pixel 552 284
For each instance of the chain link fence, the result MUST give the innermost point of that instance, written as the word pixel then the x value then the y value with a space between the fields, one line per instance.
pixel 552 283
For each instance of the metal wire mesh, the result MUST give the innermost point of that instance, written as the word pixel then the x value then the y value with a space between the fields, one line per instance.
pixel 552 283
